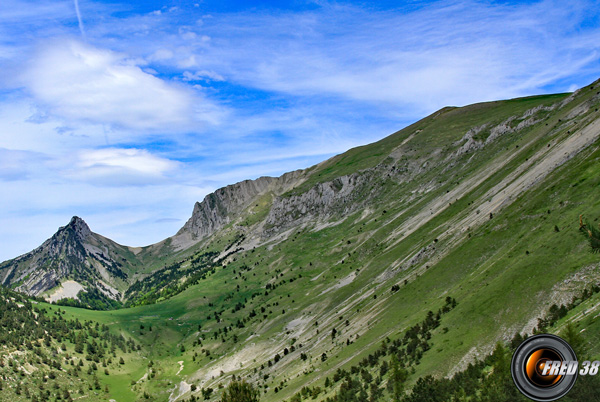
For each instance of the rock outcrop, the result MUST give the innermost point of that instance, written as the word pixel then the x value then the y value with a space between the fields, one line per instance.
pixel 225 204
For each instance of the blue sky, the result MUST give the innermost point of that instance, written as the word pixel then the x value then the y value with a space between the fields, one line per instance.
pixel 127 113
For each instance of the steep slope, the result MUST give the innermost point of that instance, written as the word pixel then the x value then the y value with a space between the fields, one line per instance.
pixel 415 162
pixel 464 204
pixel 429 246
pixel 73 259
pixel 226 204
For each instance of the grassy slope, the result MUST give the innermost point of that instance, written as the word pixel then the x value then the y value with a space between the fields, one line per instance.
pixel 500 275
pixel 483 299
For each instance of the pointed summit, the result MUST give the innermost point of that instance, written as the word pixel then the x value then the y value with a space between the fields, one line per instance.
pixel 76 254
pixel 77 221
pixel 79 227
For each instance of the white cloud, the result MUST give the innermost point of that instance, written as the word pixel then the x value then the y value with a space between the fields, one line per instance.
pixel 78 82
pixel 188 62
pixel 186 34
pixel 95 132
pixel 161 54
pixel 444 53
pixel 121 167
pixel 203 75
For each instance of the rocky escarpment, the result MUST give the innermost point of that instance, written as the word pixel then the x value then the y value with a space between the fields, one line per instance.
pixel 225 204
pixel 339 197
pixel 335 198
pixel 481 136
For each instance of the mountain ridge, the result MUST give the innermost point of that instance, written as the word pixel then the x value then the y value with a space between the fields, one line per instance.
pixel 296 198
pixel 307 287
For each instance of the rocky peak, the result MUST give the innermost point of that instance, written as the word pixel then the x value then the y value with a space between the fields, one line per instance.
pixel 79 227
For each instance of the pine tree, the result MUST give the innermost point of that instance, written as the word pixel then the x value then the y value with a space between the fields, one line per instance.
pixel 587 388
pixel 397 379
pixel 499 386
pixel 574 338
pixel 591 232
pixel 240 391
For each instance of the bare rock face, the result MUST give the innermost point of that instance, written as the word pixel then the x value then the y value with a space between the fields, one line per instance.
pixel 216 209
pixel 68 241
pixel 336 197
pixel 225 204
pixel 80 228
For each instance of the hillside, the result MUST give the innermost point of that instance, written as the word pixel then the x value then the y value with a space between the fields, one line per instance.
pixel 431 245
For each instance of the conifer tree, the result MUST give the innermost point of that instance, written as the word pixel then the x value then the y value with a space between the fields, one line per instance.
pixel 398 376
pixel 240 391
pixel 587 388
pixel 591 232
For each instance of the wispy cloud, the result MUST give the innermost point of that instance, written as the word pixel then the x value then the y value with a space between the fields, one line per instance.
pixel 79 19
pixel 202 75
pixel 418 59
pixel 79 82
pixel 131 118
pixel 121 167
pixel 19 165
pixel 448 52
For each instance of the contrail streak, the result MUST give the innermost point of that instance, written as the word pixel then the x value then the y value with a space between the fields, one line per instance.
pixel 79 18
